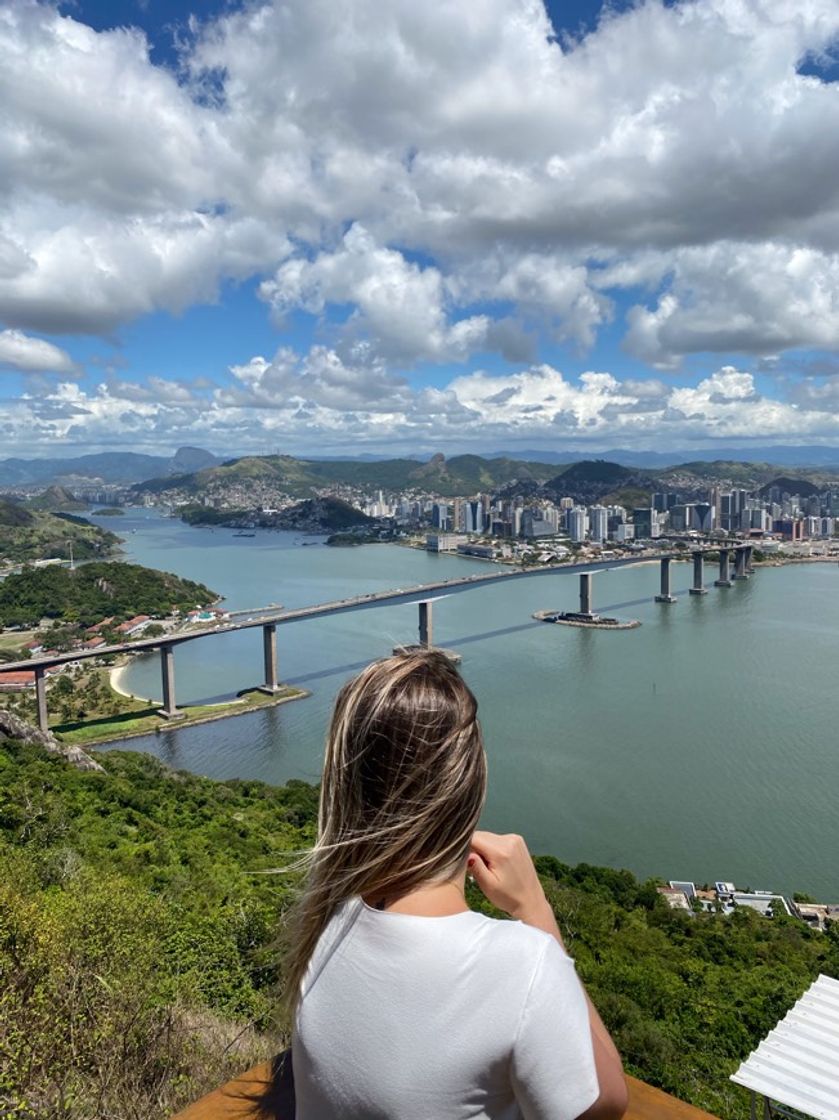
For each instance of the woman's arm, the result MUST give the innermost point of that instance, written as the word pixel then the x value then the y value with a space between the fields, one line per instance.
pixel 503 869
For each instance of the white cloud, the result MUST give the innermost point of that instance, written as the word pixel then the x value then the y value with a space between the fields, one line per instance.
pixel 759 299
pixel 315 400
pixel 320 379
pixel 24 354
pixel 399 304
pixel 676 142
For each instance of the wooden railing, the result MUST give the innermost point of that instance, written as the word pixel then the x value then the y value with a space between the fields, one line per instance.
pixel 240 1100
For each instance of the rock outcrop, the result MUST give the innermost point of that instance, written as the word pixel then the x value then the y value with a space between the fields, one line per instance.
pixel 13 727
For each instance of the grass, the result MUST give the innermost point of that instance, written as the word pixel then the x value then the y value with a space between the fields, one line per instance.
pixel 140 718
pixel 15 639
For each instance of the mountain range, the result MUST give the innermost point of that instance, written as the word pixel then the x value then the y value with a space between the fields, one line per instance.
pixel 255 480
pixel 193 469
pixel 108 467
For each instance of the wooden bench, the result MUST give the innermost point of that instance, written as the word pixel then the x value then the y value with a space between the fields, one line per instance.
pixel 236 1101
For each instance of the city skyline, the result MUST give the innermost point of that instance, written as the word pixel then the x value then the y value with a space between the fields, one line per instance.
pixel 337 228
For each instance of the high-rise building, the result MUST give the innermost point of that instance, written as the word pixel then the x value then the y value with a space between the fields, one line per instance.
pixel 474 516
pixel 441 515
pixel 576 522
pixel 598 519
pixel 645 520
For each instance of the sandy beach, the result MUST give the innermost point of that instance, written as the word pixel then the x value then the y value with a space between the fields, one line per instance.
pixel 117 675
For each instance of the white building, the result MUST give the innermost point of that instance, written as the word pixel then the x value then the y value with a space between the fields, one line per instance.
pixel 577 524
pixel 598 517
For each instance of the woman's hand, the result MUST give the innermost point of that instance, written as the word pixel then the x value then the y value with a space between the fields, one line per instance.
pixel 503 869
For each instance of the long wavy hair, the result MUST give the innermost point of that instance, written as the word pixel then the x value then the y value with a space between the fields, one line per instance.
pixel 404 781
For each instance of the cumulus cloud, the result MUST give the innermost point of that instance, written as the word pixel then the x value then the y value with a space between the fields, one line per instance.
pixel 320 378
pixel 24 354
pixel 674 144
pixel 401 305
pixel 428 183
pixel 758 299
pixel 298 402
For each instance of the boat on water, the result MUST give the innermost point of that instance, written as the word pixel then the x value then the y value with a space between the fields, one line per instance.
pixel 242 533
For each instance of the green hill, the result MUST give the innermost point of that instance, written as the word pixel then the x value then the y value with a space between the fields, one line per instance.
pixel 13 515
pixel 792 486
pixel 27 534
pixel 95 591
pixel 138 945
pixel 56 498
pixel 595 480
pixel 314 515
pixel 302 478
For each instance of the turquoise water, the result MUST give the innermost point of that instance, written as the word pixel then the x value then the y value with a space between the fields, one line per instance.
pixel 700 746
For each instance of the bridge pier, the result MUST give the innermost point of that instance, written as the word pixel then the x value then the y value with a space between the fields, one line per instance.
pixel 725 578
pixel 585 594
pixel 749 554
pixel 269 657
pixel 665 595
pixel 740 564
pixel 426 629
pixel 167 672
pixel 698 574
pixel 41 696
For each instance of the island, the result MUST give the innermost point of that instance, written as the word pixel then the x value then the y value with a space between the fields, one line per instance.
pixel 312 515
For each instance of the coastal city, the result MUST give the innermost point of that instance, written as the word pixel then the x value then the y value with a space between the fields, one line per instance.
pixel 521 524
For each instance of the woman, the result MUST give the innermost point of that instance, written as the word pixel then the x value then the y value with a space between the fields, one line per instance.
pixel 409 1006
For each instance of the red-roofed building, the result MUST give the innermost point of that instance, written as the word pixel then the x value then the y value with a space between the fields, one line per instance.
pixel 134 625
pixel 21 678
pixel 99 626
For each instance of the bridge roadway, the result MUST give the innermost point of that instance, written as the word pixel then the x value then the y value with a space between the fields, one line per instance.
pixel 358 603
pixel 423 594
pixel 337 606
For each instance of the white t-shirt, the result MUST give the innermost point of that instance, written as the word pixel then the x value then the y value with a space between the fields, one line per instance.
pixel 411 1018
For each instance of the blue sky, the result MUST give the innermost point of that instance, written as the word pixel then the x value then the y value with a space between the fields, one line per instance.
pixel 337 227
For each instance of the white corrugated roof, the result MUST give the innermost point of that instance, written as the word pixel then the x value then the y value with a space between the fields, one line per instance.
pixel 797 1064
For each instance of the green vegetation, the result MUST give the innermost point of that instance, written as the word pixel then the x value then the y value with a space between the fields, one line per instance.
pixel 85 710
pixel 630 497
pixel 206 515
pixel 27 535
pixel 56 498
pixel 129 716
pixel 309 515
pixel 792 486
pixel 595 470
pixel 137 943
pixel 301 478
pixel 95 591
pixel 351 539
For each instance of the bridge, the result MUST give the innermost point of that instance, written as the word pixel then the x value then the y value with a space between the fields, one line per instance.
pixel 423 595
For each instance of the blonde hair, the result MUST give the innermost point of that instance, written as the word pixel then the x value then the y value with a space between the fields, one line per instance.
pixel 404 781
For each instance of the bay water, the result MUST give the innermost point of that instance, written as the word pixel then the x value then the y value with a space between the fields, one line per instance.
pixel 702 745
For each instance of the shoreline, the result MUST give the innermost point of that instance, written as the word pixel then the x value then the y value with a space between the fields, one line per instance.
pixel 187 721
pixel 115 676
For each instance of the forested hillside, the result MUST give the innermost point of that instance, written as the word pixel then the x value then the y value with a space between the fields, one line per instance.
pixel 27 534
pixel 140 954
pixel 95 591
pixel 302 478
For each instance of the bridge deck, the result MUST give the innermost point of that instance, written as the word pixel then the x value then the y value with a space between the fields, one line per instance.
pixel 340 606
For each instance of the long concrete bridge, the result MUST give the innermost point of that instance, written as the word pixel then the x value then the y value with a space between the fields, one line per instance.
pixel 424 594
